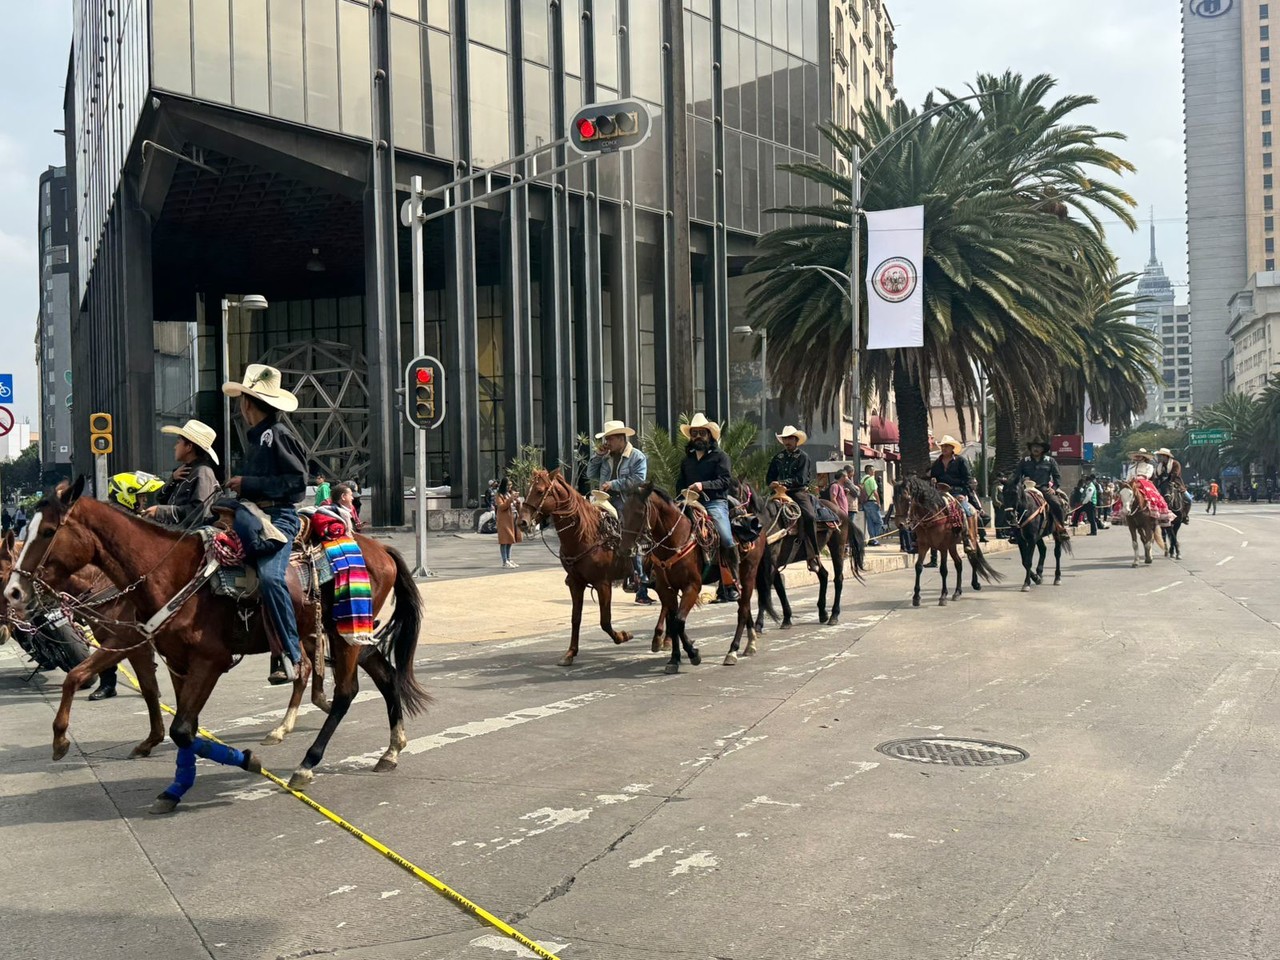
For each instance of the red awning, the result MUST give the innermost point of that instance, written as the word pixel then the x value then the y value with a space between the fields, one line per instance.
pixel 848 448
pixel 883 431
pixel 869 453
pixel 892 457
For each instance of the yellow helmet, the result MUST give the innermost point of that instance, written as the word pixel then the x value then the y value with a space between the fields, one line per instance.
pixel 126 488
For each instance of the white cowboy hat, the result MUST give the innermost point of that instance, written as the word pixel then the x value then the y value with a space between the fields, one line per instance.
pixel 263 383
pixel 201 434
pixel 790 431
pixel 1141 454
pixel 950 441
pixel 1164 452
pixel 699 422
pixel 613 427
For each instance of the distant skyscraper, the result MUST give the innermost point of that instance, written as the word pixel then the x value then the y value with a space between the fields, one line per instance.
pixel 53 334
pixel 1169 397
pixel 1226 60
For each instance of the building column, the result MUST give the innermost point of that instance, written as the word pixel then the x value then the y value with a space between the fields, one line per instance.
pixel 678 287
pixel 626 291
pixel 557 307
pixel 135 423
pixel 716 279
pixel 517 337
pixel 382 288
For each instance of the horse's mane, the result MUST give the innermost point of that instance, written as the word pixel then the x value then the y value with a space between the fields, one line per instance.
pixel 586 513
pixel 928 495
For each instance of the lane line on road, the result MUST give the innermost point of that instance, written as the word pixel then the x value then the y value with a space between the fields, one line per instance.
pixel 439 886
pixel 1221 524
pixel 1243 544
pixel 1167 586
pixel 1225 560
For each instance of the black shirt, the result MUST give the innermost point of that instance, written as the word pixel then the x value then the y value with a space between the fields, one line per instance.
pixel 795 469
pixel 1041 471
pixel 955 474
pixel 182 499
pixel 714 471
pixel 275 469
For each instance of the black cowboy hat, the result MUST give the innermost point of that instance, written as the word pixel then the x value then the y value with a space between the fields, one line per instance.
pixel 1038 443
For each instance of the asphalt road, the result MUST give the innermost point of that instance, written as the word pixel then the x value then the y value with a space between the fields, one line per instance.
pixel 611 811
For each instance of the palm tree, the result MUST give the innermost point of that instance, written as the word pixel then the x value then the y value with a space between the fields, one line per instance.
pixel 1242 417
pixel 1002 267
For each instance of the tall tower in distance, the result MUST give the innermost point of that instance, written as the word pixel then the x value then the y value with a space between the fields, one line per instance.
pixel 1155 288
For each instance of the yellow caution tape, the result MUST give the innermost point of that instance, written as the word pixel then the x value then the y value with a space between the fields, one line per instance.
pixel 434 883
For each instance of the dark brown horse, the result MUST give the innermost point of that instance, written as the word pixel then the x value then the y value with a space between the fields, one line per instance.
pixel 843 540
pixel 586 560
pixel 153 564
pixel 927 514
pixel 1034 515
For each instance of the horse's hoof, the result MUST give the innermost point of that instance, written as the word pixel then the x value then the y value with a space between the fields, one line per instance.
pixel 695 656
pixel 834 621
pixel 301 779
pixel 671 668
pixel 251 763
pixel 786 624
pixel 1037 579
pixel 1148 560
pixel 140 751
pixel 1026 588
pixel 976 586
pixel 1135 564
pixel 730 659
pixel 621 637
pixel 942 601
pixel 60 748
pixel 566 660
pixel 750 651
pixel 822 616
pixel 656 645
pixel 162 804
pixel 385 765
pixel 272 738
pixel 1057 581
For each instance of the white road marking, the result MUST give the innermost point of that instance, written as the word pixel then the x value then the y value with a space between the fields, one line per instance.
pixel 549 819
pixel 901 836
pixel 345 888
pixel 502 945
pixel 773 803
pixel 702 860
pixel 478 728
pixel 272 716
pixel 608 799
pixel 650 857
pixel 1225 560
pixel 1221 524
pixel 1243 544
pixel 1167 586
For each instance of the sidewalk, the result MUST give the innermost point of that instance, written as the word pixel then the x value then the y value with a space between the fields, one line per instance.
pixel 473 600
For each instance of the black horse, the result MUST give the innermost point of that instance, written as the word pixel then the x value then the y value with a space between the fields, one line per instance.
pixel 1032 517
pixel 1179 501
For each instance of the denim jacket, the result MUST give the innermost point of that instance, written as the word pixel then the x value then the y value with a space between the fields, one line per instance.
pixel 633 470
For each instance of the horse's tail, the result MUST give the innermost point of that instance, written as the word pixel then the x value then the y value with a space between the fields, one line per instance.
pixel 404 625
pixel 857 550
pixel 982 566
pixel 766 573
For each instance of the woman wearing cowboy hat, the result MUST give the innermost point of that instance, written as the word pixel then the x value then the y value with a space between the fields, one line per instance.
pixel 1144 468
pixel 792 467
pixel 707 469
pixel 618 468
pixel 275 480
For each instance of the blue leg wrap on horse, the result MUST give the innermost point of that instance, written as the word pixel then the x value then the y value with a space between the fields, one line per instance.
pixel 219 753
pixel 185 775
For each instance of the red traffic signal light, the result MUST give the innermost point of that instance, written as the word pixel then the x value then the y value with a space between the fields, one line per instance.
pixel 424 375
pixel 424 383
pixel 586 128
pixel 610 127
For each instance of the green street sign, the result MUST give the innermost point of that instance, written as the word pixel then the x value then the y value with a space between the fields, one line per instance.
pixel 1215 436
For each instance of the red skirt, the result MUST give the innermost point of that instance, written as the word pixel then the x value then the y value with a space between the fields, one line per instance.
pixel 1156 502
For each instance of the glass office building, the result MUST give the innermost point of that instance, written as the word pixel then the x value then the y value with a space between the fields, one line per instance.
pixel 229 147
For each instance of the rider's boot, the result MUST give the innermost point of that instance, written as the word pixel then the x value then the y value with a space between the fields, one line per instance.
pixel 728 582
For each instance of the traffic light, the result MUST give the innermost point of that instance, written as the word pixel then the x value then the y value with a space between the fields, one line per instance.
pixel 610 127
pixel 424 393
pixel 100 434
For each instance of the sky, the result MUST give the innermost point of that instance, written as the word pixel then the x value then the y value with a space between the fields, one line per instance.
pixel 1126 53
pixel 32 74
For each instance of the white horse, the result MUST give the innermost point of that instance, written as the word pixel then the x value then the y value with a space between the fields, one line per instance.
pixel 1142 523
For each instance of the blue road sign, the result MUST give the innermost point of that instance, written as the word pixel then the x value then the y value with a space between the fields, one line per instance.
pixel 6 388
pixel 1088 453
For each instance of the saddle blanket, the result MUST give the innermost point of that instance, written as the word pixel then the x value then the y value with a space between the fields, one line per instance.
pixel 352 591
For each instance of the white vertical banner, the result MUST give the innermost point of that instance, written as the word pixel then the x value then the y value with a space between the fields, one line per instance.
pixel 895 295
pixel 1095 431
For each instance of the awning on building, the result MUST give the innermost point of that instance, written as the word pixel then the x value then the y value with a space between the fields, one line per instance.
pixel 883 431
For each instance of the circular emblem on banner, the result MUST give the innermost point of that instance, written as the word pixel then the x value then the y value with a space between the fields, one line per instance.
pixel 895 280
pixel 1210 8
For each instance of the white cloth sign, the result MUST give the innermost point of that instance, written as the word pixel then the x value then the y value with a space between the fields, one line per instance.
pixel 1095 431
pixel 895 288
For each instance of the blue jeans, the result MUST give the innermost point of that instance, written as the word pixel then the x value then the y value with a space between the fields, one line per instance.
pixel 273 571
pixel 718 510
pixel 637 572
pixel 875 524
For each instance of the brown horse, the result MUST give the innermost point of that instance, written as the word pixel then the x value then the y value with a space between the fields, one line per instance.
pixel 154 564
pixel 927 514
pixel 587 562
pixel 1141 520
pixel 843 540
pixel 106 620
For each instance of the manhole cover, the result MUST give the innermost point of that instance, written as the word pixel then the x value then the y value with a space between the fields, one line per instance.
pixel 953 753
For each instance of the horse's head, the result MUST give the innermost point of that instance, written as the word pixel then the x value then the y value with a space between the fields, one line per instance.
pixel 75 546
pixel 635 516
pixel 545 496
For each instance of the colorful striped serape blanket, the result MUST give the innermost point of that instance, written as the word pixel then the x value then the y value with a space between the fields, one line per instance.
pixel 352 592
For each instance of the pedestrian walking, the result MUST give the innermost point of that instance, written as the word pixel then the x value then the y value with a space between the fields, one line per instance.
pixel 505 501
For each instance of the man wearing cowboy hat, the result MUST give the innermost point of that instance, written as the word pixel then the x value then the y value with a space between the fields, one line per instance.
pixel 707 469
pixel 275 481
pixel 618 468
pixel 792 467
pixel 1169 478
pixel 953 470
pixel 1039 466
pixel 194 485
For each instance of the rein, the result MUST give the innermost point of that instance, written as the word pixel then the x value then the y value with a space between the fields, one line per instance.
pixel 570 511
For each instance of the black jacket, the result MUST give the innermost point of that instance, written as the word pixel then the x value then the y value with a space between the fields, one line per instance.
pixel 955 474
pixel 182 499
pixel 1041 471
pixel 275 469
pixel 793 469
pixel 714 471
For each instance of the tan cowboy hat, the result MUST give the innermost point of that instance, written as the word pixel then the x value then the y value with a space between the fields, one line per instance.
pixel 1164 452
pixel 201 434
pixel 950 441
pixel 1142 454
pixel 601 499
pixel 700 422
pixel 790 431
pixel 613 427
pixel 263 383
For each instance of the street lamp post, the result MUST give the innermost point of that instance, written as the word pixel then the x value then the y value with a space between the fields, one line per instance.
pixel 254 302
